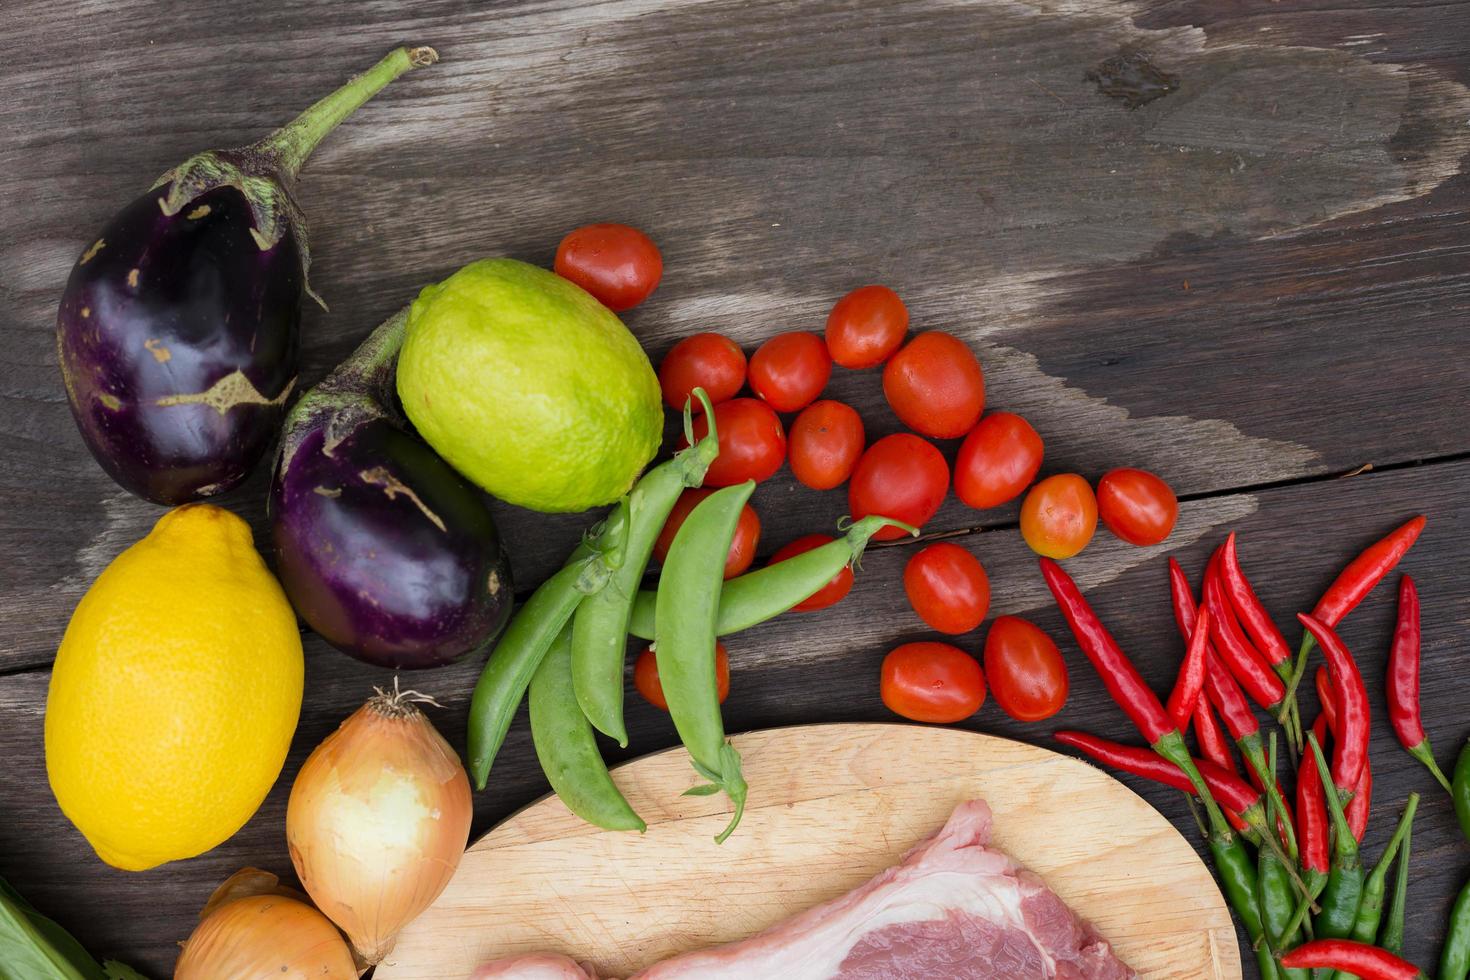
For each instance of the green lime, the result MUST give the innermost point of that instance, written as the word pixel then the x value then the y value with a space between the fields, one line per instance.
pixel 529 387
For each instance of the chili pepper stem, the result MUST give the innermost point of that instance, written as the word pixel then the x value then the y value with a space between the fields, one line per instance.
pixel 1250 747
pixel 1296 674
pixel 1425 756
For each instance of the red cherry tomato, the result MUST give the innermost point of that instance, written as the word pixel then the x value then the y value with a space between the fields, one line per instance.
pixel 1025 670
pixel 829 594
pixel 948 587
pixel 645 676
pixel 706 360
pixel 1059 516
pixel 1137 506
pixel 742 546
pixel 826 441
pixel 932 682
pixel 899 476
pixel 619 265
pixel 935 385
pixel 790 370
pixel 866 327
pixel 998 459
pixel 752 442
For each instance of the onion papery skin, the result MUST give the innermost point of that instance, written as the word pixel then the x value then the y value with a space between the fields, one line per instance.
pixel 377 821
pixel 266 936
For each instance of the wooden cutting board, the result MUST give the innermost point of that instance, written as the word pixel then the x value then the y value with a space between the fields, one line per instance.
pixel 830 806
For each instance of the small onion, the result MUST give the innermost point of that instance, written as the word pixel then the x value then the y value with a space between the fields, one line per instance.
pixel 378 818
pixel 252 928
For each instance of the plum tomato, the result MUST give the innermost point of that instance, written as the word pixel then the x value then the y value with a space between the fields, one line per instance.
pixel 932 682
pixel 997 461
pixel 615 263
pixel 866 326
pixel 645 676
pixel 826 441
pixel 948 588
pixel 829 594
pixel 935 385
pixel 899 476
pixel 1059 516
pixel 710 361
pixel 790 370
pixel 1025 669
pixel 1137 506
pixel 742 545
pixel 752 442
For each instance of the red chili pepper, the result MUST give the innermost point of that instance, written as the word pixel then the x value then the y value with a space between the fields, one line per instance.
pixel 1357 808
pixel 1211 737
pixel 1181 597
pixel 1355 581
pixel 1244 661
pixel 1329 701
pixel 1367 962
pixel 1119 676
pixel 1234 794
pixel 1311 813
pixel 1253 615
pixel 1225 695
pixel 1403 682
pixel 1350 748
pixel 1191 680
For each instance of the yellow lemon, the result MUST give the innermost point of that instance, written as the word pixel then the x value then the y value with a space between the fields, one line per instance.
pixel 175 692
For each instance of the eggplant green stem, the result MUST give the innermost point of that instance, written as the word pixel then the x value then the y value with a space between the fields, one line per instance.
pixel 290 145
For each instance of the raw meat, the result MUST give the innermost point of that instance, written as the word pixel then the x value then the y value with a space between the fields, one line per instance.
pixel 953 909
pixel 537 966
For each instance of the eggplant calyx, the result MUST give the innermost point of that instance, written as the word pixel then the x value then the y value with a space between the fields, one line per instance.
pixel 359 390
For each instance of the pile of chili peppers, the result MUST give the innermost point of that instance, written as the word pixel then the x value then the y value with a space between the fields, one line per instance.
pixel 1304 897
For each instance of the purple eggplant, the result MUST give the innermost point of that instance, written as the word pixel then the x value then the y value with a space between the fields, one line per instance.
pixel 382 547
pixel 178 330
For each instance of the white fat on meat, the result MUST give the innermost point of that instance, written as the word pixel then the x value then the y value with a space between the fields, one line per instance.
pixel 952 909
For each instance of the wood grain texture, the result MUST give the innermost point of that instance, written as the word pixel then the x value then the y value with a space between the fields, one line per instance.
pixel 830 806
pixel 1259 278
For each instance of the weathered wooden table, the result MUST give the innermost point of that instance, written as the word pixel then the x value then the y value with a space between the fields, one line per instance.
pixel 1254 285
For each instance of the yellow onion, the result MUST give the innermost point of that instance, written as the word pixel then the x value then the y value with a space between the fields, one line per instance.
pixel 378 818
pixel 252 928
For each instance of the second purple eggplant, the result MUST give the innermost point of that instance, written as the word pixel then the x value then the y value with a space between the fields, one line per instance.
pixel 382 547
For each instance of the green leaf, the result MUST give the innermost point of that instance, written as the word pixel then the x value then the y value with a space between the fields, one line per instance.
pixel 709 789
pixel 706 771
pixel 32 947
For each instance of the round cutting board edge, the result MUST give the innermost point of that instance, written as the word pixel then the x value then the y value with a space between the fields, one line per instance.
pixel 831 805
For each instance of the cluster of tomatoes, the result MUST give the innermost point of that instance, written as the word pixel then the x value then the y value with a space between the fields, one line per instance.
pixel 935 386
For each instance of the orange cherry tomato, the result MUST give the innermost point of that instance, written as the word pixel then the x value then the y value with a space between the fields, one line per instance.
pixel 645 676
pixel 948 587
pixel 935 385
pixel 866 326
pixel 752 442
pixel 615 263
pixel 1059 516
pixel 932 682
pixel 899 476
pixel 997 461
pixel 790 370
pixel 742 545
pixel 826 441
pixel 829 594
pixel 1025 669
pixel 706 360
pixel 1137 506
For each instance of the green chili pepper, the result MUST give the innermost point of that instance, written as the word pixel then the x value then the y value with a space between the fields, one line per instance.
pixel 1344 891
pixel 684 641
pixel 1238 881
pixel 1274 891
pixel 567 748
pixel 1392 937
pixel 508 671
pixel 1370 909
pixel 768 592
pixel 600 627
pixel 1454 960
pixel 1461 790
